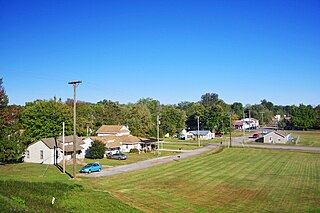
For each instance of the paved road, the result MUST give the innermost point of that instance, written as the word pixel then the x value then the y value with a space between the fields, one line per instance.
pixel 147 163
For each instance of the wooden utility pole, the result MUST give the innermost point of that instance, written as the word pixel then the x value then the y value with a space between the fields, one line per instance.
pixel 261 123
pixel 64 160
pixel 230 128
pixel 198 131
pixel 158 134
pixel 74 155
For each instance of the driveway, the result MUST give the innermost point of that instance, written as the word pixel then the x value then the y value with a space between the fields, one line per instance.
pixel 148 163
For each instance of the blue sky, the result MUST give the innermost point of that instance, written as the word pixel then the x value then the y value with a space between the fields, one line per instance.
pixel 171 51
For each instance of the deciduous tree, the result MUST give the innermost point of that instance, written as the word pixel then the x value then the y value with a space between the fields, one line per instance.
pixel 42 119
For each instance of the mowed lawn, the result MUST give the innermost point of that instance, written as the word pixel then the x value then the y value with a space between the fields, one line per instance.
pixel 234 180
pixel 132 158
pixel 307 138
pixel 30 187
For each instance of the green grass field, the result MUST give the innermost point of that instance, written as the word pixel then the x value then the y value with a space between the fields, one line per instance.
pixel 307 138
pixel 30 187
pixel 132 158
pixel 234 180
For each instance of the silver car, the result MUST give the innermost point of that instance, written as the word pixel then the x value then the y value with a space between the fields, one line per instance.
pixel 118 156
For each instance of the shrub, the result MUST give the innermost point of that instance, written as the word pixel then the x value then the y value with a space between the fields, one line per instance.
pixel 97 150
pixel 134 150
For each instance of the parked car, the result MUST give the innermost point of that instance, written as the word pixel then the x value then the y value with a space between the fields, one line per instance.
pixel 118 156
pixel 91 167
pixel 218 134
pixel 256 135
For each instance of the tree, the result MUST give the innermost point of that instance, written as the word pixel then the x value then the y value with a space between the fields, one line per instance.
pixel 154 108
pixel 11 147
pixel 196 110
pixel 42 119
pixel 237 109
pixel 112 112
pixel 97 150
pixel 304 117
pixel 210 99
pixel 215 119
pixel 267 104
pixel 172 120
pixel 138 119
pixel 3 97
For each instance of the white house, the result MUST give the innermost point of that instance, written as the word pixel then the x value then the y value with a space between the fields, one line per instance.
pixel 116 130
pixel 124 143
pixel 277 137
pixel 203 134
pixel 247 123
pixel 50 150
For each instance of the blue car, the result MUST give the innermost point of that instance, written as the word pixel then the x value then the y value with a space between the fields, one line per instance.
pixel 91 167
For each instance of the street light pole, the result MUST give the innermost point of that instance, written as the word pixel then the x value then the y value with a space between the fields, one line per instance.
pixel 74 155
pixel 230 128
pixel 158 134
pixel 198 131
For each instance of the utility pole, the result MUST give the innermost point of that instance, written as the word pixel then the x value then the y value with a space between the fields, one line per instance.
pixel 230 128
pixel 198 131
pixel 74 125
pixel 244 117
pixel 64 160
pixel 158 134
pixel 261 123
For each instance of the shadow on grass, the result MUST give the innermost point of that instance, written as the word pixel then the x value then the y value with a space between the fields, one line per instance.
pixel 61 170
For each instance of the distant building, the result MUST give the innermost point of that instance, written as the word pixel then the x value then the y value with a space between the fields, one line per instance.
pixel 203 134
pixel 277 137
pixel 247 123
pixel 116 130
pixel 50 150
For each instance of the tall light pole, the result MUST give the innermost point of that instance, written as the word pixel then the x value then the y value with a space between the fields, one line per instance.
pixel 198 131
pixel 64 160
pixel 158 134
pixel 230 128
pixel 261 123
pixel 74 155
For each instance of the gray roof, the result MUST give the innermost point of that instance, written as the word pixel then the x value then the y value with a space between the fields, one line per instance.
pixel 201 132
pixel 280 133
pixel 57 142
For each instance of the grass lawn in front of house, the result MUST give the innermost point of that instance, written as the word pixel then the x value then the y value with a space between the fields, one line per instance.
pixel 131 158
pixel 235 180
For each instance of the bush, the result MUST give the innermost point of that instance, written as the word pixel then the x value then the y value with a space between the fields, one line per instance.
pixel 134 150
pixel 97 150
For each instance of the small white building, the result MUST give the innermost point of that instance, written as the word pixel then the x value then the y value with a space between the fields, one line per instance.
pixel 115 130
pixel 50 150
pixel 247 123
pixel 203 134
pixel 277 137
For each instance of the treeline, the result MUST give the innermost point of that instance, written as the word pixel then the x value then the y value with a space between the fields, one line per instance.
pixel 43 118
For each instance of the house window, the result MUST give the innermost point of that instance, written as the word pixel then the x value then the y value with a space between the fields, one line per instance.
pixel 41 154
pixel 28 154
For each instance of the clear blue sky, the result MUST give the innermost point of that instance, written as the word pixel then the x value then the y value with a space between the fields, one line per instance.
pixel 171 51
